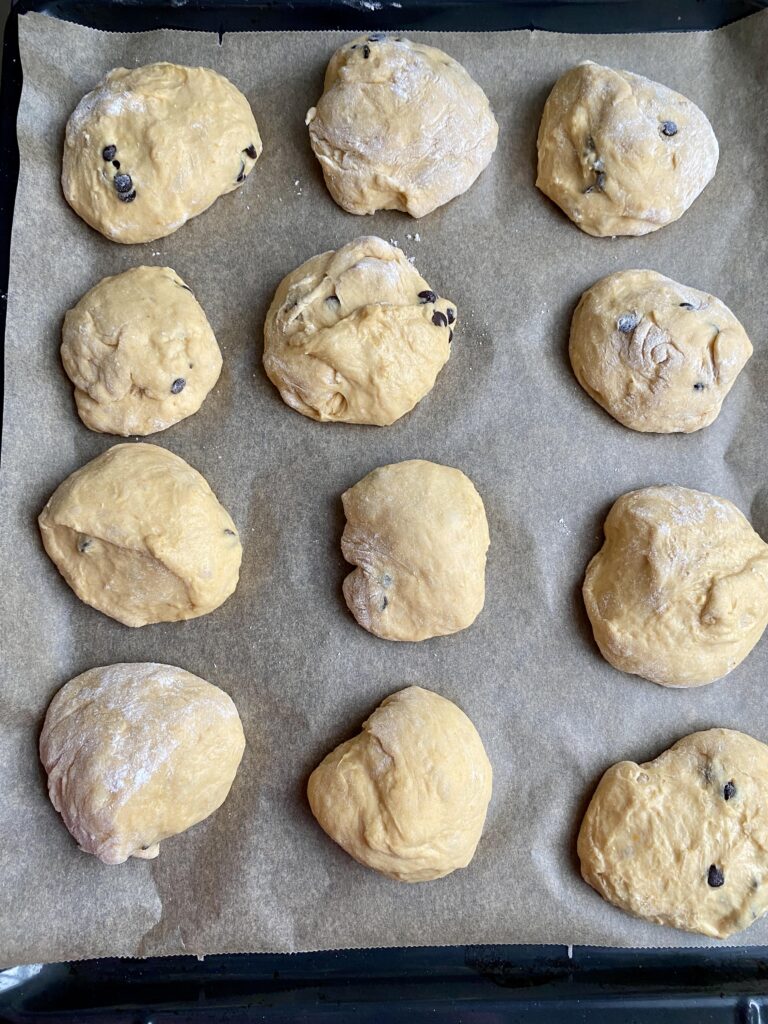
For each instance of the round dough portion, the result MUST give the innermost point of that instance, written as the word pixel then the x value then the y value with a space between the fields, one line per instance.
pixel 683 840
pixel 136 753
pixel 139 534
pixel 407 796
pixel 356 335
pixel 400 126
pixel 678 593
pixel 620 154
pixel 657 355
pixel 140 352
pixel 151 147
pixel 418 534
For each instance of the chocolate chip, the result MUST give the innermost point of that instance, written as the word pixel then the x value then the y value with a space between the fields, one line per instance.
pixel 687 305
pixel 439 319
pixel 116 164
pixel 178 385
pixel 384 602
pixel 729 790
pixel 427 296
pixel 126 197
pixel 715 877
pixel 241 175
pixel 600 181
pixel 83 543
pixel 229 533
pixel 668 128
pixel 333 300
pixel 250 151
pixel 108 152
pixel 123 182
pixel 366 51
pixel 628 322
pixel 450 337
pixel 451 315
pixel 699 386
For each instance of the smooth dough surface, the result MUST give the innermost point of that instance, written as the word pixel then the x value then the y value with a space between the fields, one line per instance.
pixel 620 154
pixel 683 840
pixel 140 352
pixel 678 593
pixel 136 753
pixel 400 126
pixel 657 355
pixel 356 335
pixel 139 534
pixel 153 146
pixel 407 796
pixel 418 534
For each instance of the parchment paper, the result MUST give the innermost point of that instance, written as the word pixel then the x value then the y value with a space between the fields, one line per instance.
pixel 260 874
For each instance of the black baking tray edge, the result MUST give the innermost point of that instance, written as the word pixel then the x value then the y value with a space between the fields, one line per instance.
pixel 473 984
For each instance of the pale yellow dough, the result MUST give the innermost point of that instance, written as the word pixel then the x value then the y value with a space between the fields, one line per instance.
pixel 407 796
pixel 418 533
pixel 400 126
pixel 140 352
pixel 139 534
pixel 356 335
pixel 136 753
pixel 620 154
pixel 183 136
pixel 683 840
pixel 657 355
pixel 678 593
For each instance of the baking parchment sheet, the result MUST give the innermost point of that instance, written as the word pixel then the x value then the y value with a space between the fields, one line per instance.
pixel 548 462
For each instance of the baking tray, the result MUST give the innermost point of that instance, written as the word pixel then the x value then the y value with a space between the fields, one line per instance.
pixel 470 983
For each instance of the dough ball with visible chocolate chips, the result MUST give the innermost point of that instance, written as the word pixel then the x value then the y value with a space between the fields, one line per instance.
pixel 418 534
pixel 356 335
pixel 139 534
pixel 136 753
pixel 140 352
pixel 678 593
pixel 657 355
pixel 683 840
pixel 153 146
pixel 408 795
pixel 620 154
pixel 400 126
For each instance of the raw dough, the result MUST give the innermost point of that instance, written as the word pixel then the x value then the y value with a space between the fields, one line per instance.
pixel 151 147
pixel 418 534
pixel 620 154
pixel 683 840
pixel 140 352
pixel 357 335
pixel 678 593
pixel 400 126
pixel 138 753
pixel 657 355
pixel 139 534
pixel 407 796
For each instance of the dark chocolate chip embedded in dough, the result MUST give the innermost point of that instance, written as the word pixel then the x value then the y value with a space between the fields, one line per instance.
pixel 250 151
pixel 366 51
pixel 229 533
pixel 108 152
pixel 427 296
pixel 715 876
pixel 123 182
pixel 729 790
pixel 698 386
pixel 668 128
pixel 384 602
pixel 450 337
pixel 241 175
pixel 439 319
pixel 126 197
pixel 116 164
pixel 628 322
pixel 600 181
pixel 83 543
pixel 451 315
pixel 687 305
pixel 178 385
pixel 333 300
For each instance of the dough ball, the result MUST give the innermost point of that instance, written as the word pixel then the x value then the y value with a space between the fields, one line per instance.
pixel 409 794
pixel 356 336
pixel 139 534
pixel 678 593
pixel 140 352
pixel 400 126
pixel 151 147
pixel 418 534
pixel 620 154
pixel 657 355
pixel 138 753
pixel 683 840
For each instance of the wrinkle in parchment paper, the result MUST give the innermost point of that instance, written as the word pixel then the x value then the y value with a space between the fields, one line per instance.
pixel 548 462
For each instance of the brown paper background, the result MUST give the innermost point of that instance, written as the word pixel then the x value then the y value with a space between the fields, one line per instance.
pixel 259 874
